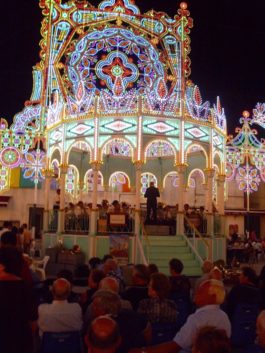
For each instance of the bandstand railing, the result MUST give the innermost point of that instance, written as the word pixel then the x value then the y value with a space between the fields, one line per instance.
pixel 191 239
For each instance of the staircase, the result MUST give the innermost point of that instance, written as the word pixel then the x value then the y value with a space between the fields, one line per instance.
pixel 161 249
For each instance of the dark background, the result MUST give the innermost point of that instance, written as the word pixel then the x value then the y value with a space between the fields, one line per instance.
pixel 227 51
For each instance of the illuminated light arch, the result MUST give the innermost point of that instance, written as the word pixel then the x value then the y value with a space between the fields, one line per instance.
pixel 160 149
pixel 119 178
pixel 71 180
pixel 175 181
pixel 88 180
pixel 220 165
pixel 126 151
pixel 4 179
pixel 191 176
pixel 79 144
pixel 146 178
pixel 52 152
pixel 200 148
pixel 217 170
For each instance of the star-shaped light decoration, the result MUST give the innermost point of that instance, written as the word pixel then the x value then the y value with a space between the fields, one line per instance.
pixel 248 179
pixel 33 165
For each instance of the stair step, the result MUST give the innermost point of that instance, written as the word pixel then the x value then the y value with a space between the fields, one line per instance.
pixel 169 250
pixel 168 256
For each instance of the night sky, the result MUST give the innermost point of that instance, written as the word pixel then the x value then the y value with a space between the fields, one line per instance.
pixel 227 51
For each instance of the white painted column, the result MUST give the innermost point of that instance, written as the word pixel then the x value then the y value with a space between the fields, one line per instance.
pixel 181 168
pixel 209 200
pixel 61 212
pixel 48 176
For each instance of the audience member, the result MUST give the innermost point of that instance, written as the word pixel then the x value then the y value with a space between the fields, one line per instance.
pixel 18 313
pixel 60 315
pixel 103 336
pixel 7 226
pixel 111 284
pixel 180 284
pixel 9 240
pixel 111 269
pixel 134 328
pixel 158 308
pixel 209 295
pixel 259 347
pixel 245 292
pixel 207 266
pixel 152 268
pixel 95 276
pixel 139 289
pixel 211 340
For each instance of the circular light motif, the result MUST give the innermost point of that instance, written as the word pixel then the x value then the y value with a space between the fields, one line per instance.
pixel 10 157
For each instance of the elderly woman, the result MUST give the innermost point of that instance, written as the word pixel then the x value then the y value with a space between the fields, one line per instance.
pixel 158 308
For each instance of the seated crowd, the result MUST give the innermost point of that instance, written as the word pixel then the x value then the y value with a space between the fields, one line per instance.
pixel 133 309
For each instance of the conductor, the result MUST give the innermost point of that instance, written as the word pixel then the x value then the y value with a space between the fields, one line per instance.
pixel 151 194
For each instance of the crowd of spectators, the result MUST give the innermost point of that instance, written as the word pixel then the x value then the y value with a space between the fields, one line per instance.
pixel 121 308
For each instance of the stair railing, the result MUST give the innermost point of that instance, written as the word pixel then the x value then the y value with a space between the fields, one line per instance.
pixel 195 233
pixel 139 234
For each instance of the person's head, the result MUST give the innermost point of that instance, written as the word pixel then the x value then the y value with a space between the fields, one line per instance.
pixel 140 275
pixel 106 257
pixel 94 262
pixel 24 225
pixel 207 266
pixel 175 267
pixel 8 239
pixel 152 183
pixel 103 335
pixel 11 261
pixel 152 268
pixel 95 277
pixel 211 340
pixel 58 191
pixel 261 329
pixel 61 289
pixel 248 276
pixel 105 303
pixel 109 283
pixel 159 286
pixel 7 225
pixel 110 265
pixel 216 273
pixel 210 292
pixel 66 274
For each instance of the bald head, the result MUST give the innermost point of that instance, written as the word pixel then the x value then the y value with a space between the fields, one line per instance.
pixel 210 292
pixel 109 283
pixel 61 289
pixel 104 334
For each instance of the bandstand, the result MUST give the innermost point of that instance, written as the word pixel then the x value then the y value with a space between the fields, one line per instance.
pixel 112 109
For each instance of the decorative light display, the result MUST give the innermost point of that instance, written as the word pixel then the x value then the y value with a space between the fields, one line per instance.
pixel 159 148
pixel 174 179
pixel 33 165
pixel 4 178
pixel 118 181
pixel 146 179
pixel 259 115
pixel 89 180
pixel 71 182
pixel 248 179
pixel 118 147
pixel 10 157
pixel 246 154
